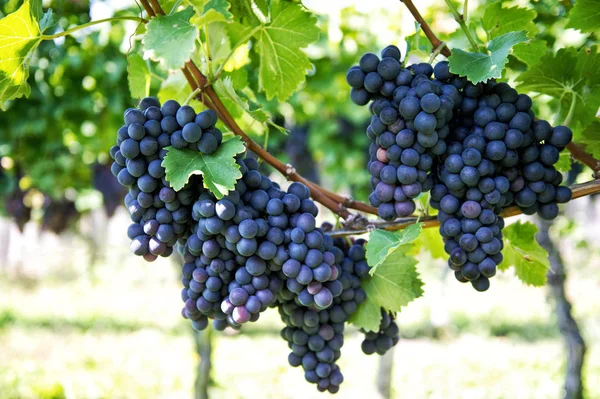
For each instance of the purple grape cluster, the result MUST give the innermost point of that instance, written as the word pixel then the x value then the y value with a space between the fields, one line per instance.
pixel 255 248
pixel 498 155
pixel 410 119
pixel 246 246
pixel 160 215
pixel 477 147
pixel 314 336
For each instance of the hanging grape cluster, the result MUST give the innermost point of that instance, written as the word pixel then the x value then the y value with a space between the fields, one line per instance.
pixel 257 247
pixel 477 147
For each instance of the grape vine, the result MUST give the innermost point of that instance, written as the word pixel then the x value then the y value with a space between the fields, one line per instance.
pixel 451 130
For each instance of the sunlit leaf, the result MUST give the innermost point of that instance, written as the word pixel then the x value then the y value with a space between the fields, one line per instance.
pixel 479 67
pixel 171 39
pixel 219 170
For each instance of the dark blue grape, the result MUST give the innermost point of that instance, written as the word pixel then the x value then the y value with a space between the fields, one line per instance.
pixel 373 82
pixel 388 68
pixel 355 77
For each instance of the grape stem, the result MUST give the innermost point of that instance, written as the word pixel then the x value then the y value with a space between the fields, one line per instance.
pixel 459 18
pixel 91 23
pixel 436 52
pixel 192 95
pixel 579 190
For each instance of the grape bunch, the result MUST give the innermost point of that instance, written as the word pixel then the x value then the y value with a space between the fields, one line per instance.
pixel 160 215
pixel 251 242
pixel 314 336
pixel 356 266
pixel 409 124
pixel 499 155
pixel 255 248
pixel 384 339
pixel 477 147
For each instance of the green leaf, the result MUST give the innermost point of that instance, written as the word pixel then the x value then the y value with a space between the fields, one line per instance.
pixel 479 67
pixel 49 19
pixel 395 284
pixel 382 243
pixel 171 39
pixel 431 241
pixel 242 10
pixel 498 20
pixel 367 316
pixel 530 53
pixel 220 45
pixel 138 76
pixel 566 75
pixel 219 169
pixel 176 87
pixel 591 139
pixel 263 6
pixel 564 162
pixel 283 66
pixel 231 98
pixel 585 16
pixel 418 41
pixel 208 11
pixel 19 37
pixel 523 252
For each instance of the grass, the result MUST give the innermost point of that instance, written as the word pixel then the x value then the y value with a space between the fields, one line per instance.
pixel 118 333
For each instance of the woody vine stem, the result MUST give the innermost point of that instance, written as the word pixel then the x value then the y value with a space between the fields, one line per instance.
pixel 354 223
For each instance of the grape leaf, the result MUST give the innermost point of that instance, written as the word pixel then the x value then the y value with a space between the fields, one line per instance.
pixel 283 66
pixel 138 76
pixel 431 241
pixel 394 284
pixel 569 75
pixel 263 6
pixel 19 37
pixel 591 139
pixel 208 11
pixel 48 20
pixel 168 5
pixel 242 10
pixel 219 169
pixel 523 252
pixel 171 39
pixel 418 41
pixel 220 45
pixel 498 20
pixel 367 316
pixel 382 243
pixel 530 53
pixel 231 98
pixel 176 87
pixel 564 162
pixel 585 16
pixel 479 67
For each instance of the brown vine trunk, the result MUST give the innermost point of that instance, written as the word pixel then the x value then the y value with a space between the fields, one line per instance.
pixel 384 374
pixel 569 329
pixel 203 341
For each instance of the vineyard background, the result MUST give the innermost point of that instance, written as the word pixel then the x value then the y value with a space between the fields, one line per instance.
pixel 81 317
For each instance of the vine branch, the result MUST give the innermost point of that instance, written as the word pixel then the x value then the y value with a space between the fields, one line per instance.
pixel 425 26
pixel 579 190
